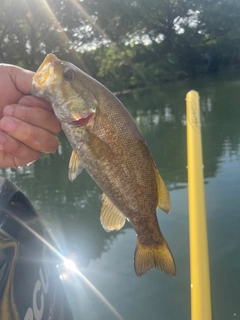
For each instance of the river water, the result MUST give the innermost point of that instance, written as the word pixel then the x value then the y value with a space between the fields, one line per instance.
pixel 70 211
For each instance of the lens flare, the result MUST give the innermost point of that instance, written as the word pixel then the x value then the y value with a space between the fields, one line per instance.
pixel 91 21
pixel 69 264
pixel 51 16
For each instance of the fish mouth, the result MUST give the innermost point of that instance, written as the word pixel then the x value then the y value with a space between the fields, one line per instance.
pixel 45 72
pixel 82 120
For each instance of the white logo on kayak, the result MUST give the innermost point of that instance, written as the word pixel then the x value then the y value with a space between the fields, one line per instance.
pixel 41 288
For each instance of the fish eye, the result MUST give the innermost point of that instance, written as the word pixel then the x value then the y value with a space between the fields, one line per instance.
pixel 68 74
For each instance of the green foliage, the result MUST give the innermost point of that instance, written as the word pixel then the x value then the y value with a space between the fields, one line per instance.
pixel 124 44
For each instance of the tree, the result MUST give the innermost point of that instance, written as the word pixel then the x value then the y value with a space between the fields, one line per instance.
pixel 134 42
pixel 30 29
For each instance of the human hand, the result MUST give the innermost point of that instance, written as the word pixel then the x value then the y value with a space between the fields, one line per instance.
pixel 28 125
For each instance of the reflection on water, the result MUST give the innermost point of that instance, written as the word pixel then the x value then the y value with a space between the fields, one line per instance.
pixel 71 210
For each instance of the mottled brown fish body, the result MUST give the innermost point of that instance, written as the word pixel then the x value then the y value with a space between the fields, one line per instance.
pixel 108 144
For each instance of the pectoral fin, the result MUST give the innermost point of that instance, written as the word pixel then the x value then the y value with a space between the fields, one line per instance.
pixel 111 218
pixel 75 167
pixel 164 201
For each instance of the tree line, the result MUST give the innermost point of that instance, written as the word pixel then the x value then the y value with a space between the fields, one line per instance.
pixel 124 44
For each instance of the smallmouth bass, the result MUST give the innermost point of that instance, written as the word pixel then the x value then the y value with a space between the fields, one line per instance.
pixel 107 143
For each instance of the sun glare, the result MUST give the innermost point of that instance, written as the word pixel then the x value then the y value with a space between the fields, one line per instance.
pixel 69 264
pixel 57 25
pixel 94 25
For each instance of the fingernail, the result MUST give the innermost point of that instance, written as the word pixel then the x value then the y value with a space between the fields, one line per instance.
pixel 2 140
pixel 7 124
pixel 8 110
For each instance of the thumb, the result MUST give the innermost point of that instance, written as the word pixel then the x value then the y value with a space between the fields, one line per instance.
pixel 22 78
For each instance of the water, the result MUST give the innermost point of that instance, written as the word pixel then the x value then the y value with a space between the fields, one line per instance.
pixel 71 210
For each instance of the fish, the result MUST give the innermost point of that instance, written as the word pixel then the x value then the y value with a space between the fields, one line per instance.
pixel 107 143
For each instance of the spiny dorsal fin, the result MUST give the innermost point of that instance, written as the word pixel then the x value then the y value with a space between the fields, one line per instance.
pixel 75 167
pixel 157 256
pixel 111 218
pixel 164 201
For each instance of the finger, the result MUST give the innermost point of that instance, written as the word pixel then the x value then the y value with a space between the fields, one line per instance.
pixel 22 78
pixel 32 115
pixel 31 101
pixel 7 160
pixel 14 153
pixel 34 137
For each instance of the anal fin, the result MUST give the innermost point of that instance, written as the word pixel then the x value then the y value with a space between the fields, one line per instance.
pixel 164 201
pixel 157 256
pixel 111 218
pixel 75 167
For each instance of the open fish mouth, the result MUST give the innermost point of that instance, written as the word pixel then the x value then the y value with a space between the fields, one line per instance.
pixel 45 72
pixel 81 120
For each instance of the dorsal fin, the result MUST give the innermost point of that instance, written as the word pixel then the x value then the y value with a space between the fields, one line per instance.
pixel 164 201
pixel 111 218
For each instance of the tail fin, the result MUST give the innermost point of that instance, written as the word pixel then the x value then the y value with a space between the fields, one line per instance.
pixel 156 256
